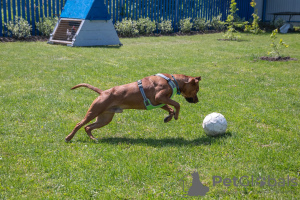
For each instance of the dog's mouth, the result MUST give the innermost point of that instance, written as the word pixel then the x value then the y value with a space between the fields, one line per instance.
pixel 192 99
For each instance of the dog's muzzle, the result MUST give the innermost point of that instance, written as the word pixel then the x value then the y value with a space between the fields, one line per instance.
pixel 192 99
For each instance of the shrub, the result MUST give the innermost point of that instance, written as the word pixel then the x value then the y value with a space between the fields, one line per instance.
pixel 200 24
pixel 146 26
pixel 217 24
pixel 46 25
pixel 19 28
pixel 254 27
pixel 165 26
pixel 127 27
pixel 276 47
pixel 186 25
pixel 230 33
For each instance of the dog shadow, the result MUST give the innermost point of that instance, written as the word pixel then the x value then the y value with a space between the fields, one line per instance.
pixel 204 140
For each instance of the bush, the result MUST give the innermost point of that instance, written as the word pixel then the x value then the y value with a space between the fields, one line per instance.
pixel 127 27
pixel 217 24
pixel 200 24
pixel 186 25
pixel 19 28
pixel 165 26
pixel 46 25
pixel 146 26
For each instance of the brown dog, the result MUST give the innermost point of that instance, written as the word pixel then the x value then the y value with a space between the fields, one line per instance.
pixel 128 96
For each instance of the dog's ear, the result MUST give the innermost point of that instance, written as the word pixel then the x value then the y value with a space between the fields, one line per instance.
pixel 194 80
pixel 197 79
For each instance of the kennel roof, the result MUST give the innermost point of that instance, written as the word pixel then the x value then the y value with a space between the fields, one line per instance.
pixel 85 9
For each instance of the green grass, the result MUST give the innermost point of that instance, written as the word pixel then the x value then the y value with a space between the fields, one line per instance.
pixel 138 156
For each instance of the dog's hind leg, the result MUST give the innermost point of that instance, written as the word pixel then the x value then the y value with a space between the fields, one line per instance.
pixel 171 113
pixel 102 120
pixel 89 116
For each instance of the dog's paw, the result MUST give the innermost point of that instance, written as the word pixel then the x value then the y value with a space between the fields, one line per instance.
pixel 96 140
pixel 67 141
pixel 168 118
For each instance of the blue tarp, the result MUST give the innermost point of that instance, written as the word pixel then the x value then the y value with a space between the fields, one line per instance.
pixel 85 9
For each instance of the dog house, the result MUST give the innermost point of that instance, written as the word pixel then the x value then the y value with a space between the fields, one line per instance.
pixel 84 23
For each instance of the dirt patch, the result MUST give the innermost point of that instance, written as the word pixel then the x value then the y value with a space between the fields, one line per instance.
pixel 277 58
pixel 29 39
pixel 228 40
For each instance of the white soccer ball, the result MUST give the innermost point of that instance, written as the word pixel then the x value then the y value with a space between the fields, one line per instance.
pixel 214 124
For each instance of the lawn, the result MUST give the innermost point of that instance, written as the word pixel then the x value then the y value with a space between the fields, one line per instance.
pixel 138 156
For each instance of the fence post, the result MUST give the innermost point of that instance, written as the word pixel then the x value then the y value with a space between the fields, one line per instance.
pixel 176 15
pixel 1 27
pixel 23 9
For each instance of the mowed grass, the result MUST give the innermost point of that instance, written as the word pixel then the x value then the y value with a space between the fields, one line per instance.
pixel 139 156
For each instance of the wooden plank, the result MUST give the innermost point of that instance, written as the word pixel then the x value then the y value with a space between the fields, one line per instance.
pixel 32 17
pixel 28 11
pixel 41 9
pixel 36 14
pixel 1 26
pixel 61 42
pixel 9 9
pixel 19 7
pixel 57 8
pixel 45 8
pixel 14 11
pixel 49 8
pixel 23 9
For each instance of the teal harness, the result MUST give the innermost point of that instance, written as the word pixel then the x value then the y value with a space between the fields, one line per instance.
pixel 147 102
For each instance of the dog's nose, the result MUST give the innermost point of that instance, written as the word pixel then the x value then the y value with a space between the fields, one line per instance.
pixel 196 99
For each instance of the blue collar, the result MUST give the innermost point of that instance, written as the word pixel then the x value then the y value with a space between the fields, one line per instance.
pixel 178 90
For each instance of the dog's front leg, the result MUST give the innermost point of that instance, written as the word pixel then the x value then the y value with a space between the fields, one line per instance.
pixel 171 113
pixel 166 100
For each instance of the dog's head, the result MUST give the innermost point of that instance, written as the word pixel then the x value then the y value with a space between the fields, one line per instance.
pixel 190 89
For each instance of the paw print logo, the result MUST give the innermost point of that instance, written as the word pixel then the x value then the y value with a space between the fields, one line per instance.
pixel 261 181
pixel 197 188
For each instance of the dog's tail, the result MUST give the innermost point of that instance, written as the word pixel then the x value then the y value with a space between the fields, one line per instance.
pixel 87 86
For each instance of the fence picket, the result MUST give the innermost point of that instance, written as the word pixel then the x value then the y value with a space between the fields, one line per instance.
pixel 1 26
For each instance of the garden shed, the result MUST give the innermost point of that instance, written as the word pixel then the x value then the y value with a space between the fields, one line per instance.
pixel 84 23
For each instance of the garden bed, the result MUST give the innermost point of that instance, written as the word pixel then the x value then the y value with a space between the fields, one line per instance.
pixel 277 58
pixel 29 39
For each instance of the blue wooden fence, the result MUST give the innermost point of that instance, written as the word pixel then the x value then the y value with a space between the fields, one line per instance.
pixel 175 10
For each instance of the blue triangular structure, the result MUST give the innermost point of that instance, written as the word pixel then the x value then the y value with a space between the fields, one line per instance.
pixel 85 23
pixel 85 9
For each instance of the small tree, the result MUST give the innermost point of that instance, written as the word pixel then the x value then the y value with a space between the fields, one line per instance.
pixel 276 47
pixel 254 27
pixel 231 23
